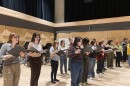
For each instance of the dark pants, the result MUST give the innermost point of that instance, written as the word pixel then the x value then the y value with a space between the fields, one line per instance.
pixel 35 64
pixel 124 56
pixel 100 66
pixel 1 67
pixel 76 72
pixel 85 70
pixel 63 62
pixel 54 68
pixel 118 58
pixel 104 62
pixel 69 64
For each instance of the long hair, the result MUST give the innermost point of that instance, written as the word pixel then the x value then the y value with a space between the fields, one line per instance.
pixel 85 41
pixel 54 45
pixel 62 42
pixel 76 40
pixel 34 36
pixel 11 36
pixel 100 43
pixel 48 46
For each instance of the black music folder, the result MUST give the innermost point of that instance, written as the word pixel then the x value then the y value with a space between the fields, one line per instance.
pixel 16 50
pixel 32 49
pixel 87 49
pixel 99 48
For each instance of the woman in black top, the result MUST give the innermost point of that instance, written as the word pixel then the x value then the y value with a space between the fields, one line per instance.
pixel 92 60
pixel 85 43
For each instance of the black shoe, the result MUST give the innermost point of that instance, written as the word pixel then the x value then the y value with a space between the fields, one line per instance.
pixel 53 82
pixel 104 69
pixel 68 69
pixel 119 66
pixel 56 80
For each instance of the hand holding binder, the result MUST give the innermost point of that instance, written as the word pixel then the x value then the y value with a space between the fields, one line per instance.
pixel 16 51
pixel 32 49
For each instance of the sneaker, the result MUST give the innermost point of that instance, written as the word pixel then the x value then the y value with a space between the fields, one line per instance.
pixel 53 82
pixel 91 78
pixel 56 80
pixel 104 69
pixel 68 69
pixel 0 75
pixel 87 83
pixel 82 84
pixel 119 66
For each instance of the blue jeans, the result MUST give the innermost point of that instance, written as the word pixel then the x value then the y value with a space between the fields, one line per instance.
pixel 91 72
pixel 129 59
pixel 63 61
pixel 76 72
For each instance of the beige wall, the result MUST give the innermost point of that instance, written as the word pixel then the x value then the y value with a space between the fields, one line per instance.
pixel 25 34
pixel 116 35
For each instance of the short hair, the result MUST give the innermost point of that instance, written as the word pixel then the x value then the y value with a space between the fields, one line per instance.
pixel 76 40
pixel 109 42
pixel 92 42
pixel 85 41
pixel 125 39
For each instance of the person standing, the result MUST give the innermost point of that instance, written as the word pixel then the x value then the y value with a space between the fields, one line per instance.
pixel 63 57
pixel 76 61
pixel 54 61
pixel 100 59
pixel 124 45
pixel 119 54
pixel 11 72
pixel 35 59
pixel 110 54
pixel 92 60
pixel 85 43
pixel 71 43
pixel 128 53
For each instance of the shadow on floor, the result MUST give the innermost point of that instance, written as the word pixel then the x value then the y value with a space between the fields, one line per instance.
pixel 57 84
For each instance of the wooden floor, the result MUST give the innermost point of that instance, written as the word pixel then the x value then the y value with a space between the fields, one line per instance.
pixel 112 77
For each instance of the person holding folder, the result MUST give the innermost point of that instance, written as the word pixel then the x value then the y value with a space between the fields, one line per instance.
pixel 35 58
pixel 63 57
pixel 100 58
pixel 85 42
pixel 54 54
pixel 11 63
pixel 76 62
pixel 92 60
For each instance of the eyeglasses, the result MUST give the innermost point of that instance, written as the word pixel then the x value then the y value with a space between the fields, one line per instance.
pixel 38 37
pixel 15 36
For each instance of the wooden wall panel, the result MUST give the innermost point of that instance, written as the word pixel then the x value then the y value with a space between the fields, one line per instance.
pixel 80 34
pixel 63 35
pixel 115 35
pixel 25 34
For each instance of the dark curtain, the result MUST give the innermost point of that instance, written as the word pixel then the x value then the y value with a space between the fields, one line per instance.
pixel 77 10
pixel 43 9
pixel 17 5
